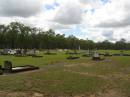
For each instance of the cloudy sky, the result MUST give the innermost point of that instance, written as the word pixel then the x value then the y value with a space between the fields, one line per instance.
pixel 97 20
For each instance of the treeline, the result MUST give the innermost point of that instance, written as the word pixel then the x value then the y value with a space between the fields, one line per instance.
pixel 18 35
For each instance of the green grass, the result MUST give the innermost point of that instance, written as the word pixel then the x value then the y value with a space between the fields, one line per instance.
pixel 59 76
pixel 52 80
pixel 114 51
pixel 46 59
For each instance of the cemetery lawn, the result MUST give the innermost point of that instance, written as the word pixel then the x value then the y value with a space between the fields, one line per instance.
pixel 58 77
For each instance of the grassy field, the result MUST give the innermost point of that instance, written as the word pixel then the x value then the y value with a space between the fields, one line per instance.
pixel 59 77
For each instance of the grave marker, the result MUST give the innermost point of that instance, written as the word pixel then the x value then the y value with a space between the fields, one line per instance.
pixel 7 67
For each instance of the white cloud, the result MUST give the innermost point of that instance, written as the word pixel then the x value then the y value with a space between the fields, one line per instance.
pixel 114 14
pixel 109 21
pixel 113 17
pixel 108 34
pixel 21 8
pixel 69 13
pixel 90 3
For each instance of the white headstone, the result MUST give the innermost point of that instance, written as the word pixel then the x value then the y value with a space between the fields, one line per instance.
pixel 96 54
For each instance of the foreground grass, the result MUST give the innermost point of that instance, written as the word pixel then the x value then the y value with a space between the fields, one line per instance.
pixel 59 76
pixel 52 82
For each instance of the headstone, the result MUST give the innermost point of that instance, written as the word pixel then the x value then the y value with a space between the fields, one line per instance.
pixel 96 56
pixel 11 52
pixel 1 71
pixel 7 67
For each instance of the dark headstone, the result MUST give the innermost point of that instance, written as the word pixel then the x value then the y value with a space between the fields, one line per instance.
pixel 1 71
pixel 7 67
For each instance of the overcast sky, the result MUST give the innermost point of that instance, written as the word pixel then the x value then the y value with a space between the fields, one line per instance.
pixel 97 20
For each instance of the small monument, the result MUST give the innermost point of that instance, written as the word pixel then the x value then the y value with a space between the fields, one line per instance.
pixel 1 70
pixel 7 67
pixel 96 56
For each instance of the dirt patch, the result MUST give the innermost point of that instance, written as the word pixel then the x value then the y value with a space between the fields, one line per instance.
pixel 116 75
pixel 107 60
pixel 21 94
pixel 88 74
pixel 80 64
pixel 38 95
pixel 111 93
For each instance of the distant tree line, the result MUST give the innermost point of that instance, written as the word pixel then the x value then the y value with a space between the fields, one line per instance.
pixel 18 35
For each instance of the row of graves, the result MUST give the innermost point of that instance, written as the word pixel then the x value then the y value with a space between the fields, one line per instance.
pixel 101 56
pixel 9 69
pixel 20 52
pixel 94 54
pixel 76 55
pixel 122 53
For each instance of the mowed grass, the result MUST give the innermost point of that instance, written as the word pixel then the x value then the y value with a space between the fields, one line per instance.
pixel 58 76
pixel 46 59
